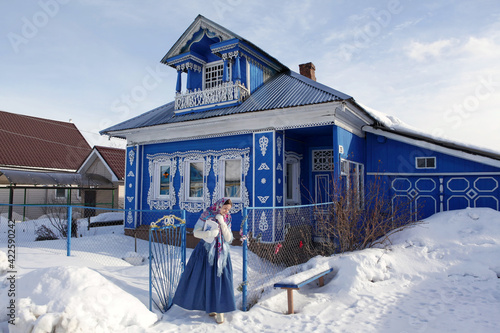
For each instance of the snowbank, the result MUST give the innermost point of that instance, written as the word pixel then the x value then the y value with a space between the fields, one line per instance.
pixel 439 276
pixel 76 299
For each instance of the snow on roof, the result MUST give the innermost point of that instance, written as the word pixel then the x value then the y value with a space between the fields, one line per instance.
pixel 394 124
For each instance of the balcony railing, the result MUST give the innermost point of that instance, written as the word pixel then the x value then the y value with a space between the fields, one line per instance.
pixel 224 93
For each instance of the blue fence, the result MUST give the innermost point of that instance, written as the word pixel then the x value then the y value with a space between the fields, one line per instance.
pixel 53 223
pixel 275 241
pixel 167 259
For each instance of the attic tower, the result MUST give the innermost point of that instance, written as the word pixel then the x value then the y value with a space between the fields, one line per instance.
pixel 221 68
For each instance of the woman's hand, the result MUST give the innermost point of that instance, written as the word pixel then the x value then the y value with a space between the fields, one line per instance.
pixel 220 218
pixel 228 235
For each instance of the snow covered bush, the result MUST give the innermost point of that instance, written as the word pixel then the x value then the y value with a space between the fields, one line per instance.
pixel 57 216
pixel 43 233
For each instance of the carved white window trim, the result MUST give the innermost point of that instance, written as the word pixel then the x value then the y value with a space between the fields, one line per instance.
pixel 193 204
pixel 156 180
pixel 232 154
pixel 222 177
pixel 154 200
pixel 181 161
pixel 187 178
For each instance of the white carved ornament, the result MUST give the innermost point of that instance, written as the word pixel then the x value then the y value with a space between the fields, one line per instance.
pixel 263 142
pixel 225 92
pixel 263 166
pixel 152 200
pixel 278 145
pixel 244 155
pixel 263 199
pixel 131 156
pixel 263 225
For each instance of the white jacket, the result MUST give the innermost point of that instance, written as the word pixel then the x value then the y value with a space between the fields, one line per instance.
pixel 209 235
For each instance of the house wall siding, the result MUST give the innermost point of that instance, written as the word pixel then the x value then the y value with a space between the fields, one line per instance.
pixel 387 155
pixel 180 153
pixel 455 183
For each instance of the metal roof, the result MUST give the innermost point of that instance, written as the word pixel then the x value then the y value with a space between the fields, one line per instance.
pixel 23 177
pixel 284 90
pixel 115 158
pixel 40 143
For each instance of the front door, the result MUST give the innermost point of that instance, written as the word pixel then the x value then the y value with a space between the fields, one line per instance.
pixel 90 201
pixel 322 188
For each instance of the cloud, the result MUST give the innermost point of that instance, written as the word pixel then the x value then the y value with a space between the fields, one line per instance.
pixel 422 51
pixel 483 47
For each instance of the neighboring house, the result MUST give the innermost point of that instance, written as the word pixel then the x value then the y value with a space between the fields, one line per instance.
pixel 39 164
pixel 249 128
pixel 107 163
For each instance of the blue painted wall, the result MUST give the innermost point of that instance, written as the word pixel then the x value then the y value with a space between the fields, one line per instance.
pixel 354 146
pixel 387 155
pixel 239 141
pixel 455 183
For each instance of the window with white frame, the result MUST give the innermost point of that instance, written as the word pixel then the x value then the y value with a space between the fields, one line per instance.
pixel 214 73
pixel 425 162
pixel 162 181
pixel 353 179
pixel 322 160
pixel 231 175
pixel 292 179
pixel 161 193
pixel 195 178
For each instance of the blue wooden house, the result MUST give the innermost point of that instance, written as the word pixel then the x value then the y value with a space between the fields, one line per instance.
pixel 243 125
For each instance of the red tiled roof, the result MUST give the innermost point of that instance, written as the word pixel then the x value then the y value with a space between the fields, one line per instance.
pixel 115 158
pixel 32 142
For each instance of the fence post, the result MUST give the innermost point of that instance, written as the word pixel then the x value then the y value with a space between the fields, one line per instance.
pixel 244 286
pixel 68 231
pixel 11 203
pixel 150 284
pixel 183 241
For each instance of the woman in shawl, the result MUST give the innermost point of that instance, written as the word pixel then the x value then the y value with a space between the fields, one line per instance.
pixel 207 282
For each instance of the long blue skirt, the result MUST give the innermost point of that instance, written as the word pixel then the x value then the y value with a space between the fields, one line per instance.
pixel 201 289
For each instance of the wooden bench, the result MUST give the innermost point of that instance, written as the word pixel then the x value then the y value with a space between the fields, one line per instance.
pixel 304 279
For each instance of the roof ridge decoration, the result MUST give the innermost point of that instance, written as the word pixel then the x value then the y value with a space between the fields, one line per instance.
pixel 200 22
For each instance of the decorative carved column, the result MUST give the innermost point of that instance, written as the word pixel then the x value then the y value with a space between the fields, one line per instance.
pixel 237 67
pixel 179 80
pixel 225 71
pixel 189 67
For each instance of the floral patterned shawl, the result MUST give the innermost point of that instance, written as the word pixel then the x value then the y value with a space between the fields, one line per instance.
pixel 218 242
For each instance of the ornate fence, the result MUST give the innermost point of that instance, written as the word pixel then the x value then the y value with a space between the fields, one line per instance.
pixel 167 260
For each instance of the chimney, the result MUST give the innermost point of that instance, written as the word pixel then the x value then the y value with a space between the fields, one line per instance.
pixel 308 70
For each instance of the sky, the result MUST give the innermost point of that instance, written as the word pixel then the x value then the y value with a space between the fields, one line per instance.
pixel 434 65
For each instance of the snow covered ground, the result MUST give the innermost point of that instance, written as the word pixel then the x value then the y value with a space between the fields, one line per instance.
pixel 440 276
